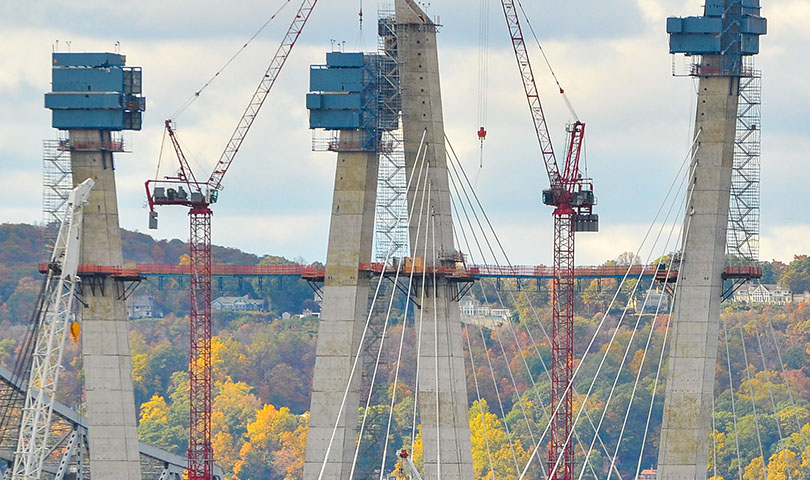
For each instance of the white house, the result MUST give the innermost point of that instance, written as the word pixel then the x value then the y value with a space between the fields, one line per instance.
pixel 763 294
pixel 142 306
pixel 476 313
pixel 238 304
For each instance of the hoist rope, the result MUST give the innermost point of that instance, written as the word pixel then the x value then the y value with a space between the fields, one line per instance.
pixel 196 94
pixel 548 63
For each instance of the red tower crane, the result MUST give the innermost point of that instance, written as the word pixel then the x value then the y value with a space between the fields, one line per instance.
pixel 572 197
pixel 199 198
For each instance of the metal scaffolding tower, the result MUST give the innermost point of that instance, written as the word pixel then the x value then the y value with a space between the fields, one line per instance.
pixel 743 218
pixel 57 182
pixel 390 237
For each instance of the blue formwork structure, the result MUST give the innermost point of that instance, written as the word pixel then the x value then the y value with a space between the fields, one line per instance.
pixel 729 31
pixel 345 95
pixel 95 91
pixel 360 92
pixel 728 28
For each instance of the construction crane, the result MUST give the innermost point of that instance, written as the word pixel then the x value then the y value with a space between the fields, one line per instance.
pixel 572 197
pixel 199 198
pixel 56 321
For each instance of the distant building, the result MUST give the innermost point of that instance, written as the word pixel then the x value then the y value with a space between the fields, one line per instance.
pixel 763 294
pixel 650 302
pixel 647 474
pixel 309 313
pixel 142 306
pixel 286 316
pixel 238 304
pixel 476 313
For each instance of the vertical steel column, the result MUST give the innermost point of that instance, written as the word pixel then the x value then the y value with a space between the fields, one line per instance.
pixel 200 451
pixel 562 345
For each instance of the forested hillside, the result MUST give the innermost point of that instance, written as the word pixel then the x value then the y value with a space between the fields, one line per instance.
pixel 263 372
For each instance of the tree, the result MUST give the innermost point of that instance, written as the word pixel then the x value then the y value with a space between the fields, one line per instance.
pixel 797 274
pixel 784 465
pixel 755 470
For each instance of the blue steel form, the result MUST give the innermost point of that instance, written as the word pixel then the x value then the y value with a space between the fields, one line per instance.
pixel 95 91
pixel 346 96
pixel 730 28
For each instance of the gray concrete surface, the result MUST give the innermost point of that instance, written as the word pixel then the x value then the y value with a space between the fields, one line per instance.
pixel 683 454
pixel 111 422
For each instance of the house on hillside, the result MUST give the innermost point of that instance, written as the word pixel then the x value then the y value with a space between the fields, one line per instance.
pixel 647 474
pixel 476 313
pixel 237 304
pixel 142 306
pixel 763 294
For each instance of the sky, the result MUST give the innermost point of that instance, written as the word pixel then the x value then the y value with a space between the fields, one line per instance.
pixel 612 58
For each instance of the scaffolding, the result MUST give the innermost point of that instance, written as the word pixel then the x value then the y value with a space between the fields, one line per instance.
pixel 57 182
pixel 742 239
pixel 390 230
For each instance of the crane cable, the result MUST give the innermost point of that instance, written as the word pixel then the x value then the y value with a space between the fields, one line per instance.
pixel 548 64
pixel 483 77
pixel 196 94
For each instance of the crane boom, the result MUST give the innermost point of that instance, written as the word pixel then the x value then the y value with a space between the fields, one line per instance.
pixel 199 200
pixel 532 93
pixel 573 201
pixel 258 98
pixel 35 426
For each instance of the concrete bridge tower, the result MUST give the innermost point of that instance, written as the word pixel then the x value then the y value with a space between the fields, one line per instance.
pixel 442 382
pixel 95 95
pixel 347 99
pixel 721 39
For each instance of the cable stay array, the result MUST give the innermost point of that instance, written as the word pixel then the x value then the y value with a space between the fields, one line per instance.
pixel 617 382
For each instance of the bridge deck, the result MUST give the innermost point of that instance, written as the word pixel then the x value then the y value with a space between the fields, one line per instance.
pixel 539 272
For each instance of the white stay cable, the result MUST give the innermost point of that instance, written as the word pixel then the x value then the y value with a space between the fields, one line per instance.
pixel 770 384
pixel 480 408
pixel 435 337
pixel 644 354
pixel 592 341
pixel 649 336
pixel 787 385
pixel 419 339
pixel 753 402
pixel 401 343
pixel 668 324
pixel 357 357
pixel 500 403
pixel 733 405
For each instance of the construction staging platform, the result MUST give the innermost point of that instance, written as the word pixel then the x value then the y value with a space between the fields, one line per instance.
pixel 155 462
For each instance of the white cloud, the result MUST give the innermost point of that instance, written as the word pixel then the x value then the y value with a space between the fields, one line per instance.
pixel 612 62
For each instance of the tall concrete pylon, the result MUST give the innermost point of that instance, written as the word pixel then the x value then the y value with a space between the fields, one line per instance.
pixel 111 417
pixel 447 451
pixel 723 36
pixel 95 94
pixel 442 388
pixel 688 401
pixel 343 315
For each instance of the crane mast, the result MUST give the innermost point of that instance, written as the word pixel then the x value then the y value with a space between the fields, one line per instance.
pixel 54 324
pixel 198 199
pixel 573 200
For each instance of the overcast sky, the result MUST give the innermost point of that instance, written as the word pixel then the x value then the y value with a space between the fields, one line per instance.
pixel 611 57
